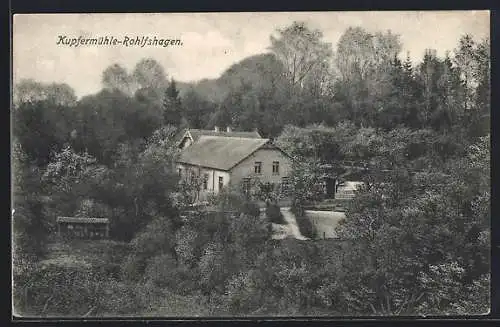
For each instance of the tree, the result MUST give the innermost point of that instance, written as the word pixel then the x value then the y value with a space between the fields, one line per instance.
pixel 449 110
pixel 71 177
pixel 151 80
pixel 42 117
pixel 104 120
pixel 29 230
pixel 172 106
pixel 482 75
pixel 41 127
pixel 253 93
pixel 197 109
pixel 429 73
pixel 116 77
pixel 464 59
pixel 147 184
pixel 148 73
pixel 364 62
pixel 359 53
pixel 387 96
pixel 306 183
pixel 480 118
pixel 29 91
pixel 442 95
pixel 410 93
pixel 428 215
pixel 301 51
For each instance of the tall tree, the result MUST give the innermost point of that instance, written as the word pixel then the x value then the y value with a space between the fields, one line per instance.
pixel 150 73
pixel 116 77
pixel 172 106
pixel 428 74
pixel 482 75
pixel 464 59
pixel 365 62
pixel 104 120
pixel 29 226
pixel 302 52
pixel 359 53
pixel 410 92
pixel 197 109
pixel 449 111
pixel 151 80
pixel 473 61
pixel 41 127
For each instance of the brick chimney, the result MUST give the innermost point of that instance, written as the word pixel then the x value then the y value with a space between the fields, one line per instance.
pixel 216 128
pixel 228 129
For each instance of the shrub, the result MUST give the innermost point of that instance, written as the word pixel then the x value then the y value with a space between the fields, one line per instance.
pixel 56 290
pixel 251 209
pixel 133 267
pixel 306 227
pixel 274 214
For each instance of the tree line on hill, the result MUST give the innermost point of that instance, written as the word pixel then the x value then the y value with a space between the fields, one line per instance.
pixel 420 241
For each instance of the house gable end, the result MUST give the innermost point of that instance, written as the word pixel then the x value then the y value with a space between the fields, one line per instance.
pixel 187 136
pixel 266 146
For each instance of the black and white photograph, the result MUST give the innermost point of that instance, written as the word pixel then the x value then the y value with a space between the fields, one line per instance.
pixel 250 164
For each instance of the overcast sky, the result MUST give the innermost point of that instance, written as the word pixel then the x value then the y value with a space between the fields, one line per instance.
pixel 211 41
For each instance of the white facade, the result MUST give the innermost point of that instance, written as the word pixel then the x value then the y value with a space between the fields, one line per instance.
pixel 214 178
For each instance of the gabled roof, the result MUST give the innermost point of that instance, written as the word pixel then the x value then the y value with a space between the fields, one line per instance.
pixel 222 153
pixel 197 133
pixel 82 220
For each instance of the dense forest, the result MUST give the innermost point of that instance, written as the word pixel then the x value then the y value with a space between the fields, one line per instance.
pixel 419 236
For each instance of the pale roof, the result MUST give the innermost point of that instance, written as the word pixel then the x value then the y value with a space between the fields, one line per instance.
pixel 196 133
pixel 221 153
pixel 82 220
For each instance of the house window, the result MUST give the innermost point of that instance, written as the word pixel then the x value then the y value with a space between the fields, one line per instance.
pixel 276 168
pixel 179 171
pixel 285 184
pixel 258 167
pixel 205 181
pixel 246 185
pixel 221 182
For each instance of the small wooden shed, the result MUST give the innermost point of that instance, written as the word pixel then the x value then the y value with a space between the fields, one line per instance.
pixel 83 227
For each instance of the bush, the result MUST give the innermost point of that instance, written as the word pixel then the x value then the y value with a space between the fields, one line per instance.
pixel 56 290
pixel 274 214
pixel 251 209
pixel 306 227
pixel 133 267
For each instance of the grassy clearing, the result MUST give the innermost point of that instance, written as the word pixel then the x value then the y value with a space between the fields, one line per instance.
pixel 86 253
pixel 324 222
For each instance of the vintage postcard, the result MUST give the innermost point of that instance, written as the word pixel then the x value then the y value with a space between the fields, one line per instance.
pixel 264 164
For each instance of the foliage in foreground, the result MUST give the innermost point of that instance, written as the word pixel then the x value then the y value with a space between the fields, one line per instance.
pixel 419 237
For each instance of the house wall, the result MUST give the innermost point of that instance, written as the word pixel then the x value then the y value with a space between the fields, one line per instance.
pixel 213 178
pixel 266 156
